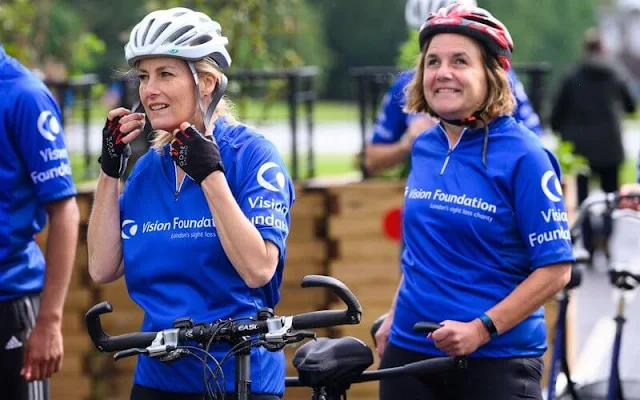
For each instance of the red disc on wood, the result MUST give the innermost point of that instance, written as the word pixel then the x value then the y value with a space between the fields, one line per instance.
pixel 392 224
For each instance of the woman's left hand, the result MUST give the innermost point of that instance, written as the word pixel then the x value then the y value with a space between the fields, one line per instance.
pixel 197 155
pixel 460 338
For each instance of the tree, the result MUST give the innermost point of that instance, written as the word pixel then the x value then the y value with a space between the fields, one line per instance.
pixel 47 30
pixel 361 33
pixel 264 33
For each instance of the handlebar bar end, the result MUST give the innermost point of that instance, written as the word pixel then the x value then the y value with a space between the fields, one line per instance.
pixel 92 319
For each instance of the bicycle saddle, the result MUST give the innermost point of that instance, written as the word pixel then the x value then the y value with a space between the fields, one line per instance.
pixel 332 363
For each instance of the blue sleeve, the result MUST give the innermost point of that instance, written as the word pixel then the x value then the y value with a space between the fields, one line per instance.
pixel 266 193
pixel 392 120
pixel 524 111
pixel 39 138
pixel 540 210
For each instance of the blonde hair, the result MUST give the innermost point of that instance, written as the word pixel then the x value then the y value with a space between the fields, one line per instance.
pixel 223 109
pixel 499 100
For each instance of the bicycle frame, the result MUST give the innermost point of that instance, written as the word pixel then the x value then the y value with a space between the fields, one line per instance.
pixel 559 355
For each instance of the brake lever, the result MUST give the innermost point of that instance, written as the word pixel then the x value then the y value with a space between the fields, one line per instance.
pixel 300 336
pixel 129 353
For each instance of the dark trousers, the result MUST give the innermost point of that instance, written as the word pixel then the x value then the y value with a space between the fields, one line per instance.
pixel 17 320
pixel 484 379
pixel 143 393
pixel 608 183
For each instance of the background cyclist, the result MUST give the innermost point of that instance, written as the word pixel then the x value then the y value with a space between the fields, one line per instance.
pixel 200 228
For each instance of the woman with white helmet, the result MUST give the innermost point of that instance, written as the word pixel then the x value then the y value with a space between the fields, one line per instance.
pixel 484 224
pixel 200 227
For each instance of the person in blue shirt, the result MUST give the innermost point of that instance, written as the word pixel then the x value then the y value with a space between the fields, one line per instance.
pixel 395 129
pixel 201 225
pixel 485 228
pixel 36 188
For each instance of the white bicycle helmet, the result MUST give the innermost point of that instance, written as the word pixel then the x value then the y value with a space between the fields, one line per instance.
pixel 186 34
pixel 178 32
pixel 416 11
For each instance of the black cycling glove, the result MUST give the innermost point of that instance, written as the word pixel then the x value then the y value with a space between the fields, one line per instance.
pixel 115 153
pixel 197 155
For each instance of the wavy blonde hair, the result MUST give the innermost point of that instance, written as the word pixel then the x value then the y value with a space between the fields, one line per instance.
pixel 499 100
pixel 223 109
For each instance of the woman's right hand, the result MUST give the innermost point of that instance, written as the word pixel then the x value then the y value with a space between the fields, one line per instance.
pixel 382 335
pixel 630 188
pixel 121 128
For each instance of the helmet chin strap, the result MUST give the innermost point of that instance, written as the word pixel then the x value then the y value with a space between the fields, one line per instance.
pixel 468 122
pixel 217 94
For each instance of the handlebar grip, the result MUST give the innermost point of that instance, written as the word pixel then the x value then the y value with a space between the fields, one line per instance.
pixel 129 341
pixel 323 319
pixel 426 327
pixel 339 288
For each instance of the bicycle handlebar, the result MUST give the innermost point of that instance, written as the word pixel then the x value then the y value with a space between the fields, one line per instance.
pixel 275 329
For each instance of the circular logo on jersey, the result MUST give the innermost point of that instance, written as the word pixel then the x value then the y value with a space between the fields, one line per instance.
pixel 48 125
pixel 551 186
pixel 267 177
pixel 129 229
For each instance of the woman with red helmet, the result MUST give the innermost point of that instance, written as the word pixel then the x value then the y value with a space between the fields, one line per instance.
pixel 487 241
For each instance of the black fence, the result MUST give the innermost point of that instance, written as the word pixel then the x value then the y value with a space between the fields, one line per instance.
pixel 68 93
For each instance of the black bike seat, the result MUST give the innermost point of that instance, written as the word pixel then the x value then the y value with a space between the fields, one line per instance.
pixel 332 363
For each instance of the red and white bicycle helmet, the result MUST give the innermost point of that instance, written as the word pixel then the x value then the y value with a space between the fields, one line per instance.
pixel 474 22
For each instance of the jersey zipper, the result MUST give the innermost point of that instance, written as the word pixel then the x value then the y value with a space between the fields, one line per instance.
pixel 446 161
pixel 451 148
pixel 178 186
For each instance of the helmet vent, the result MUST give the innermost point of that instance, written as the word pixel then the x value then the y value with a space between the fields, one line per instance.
pixel 159 31
pixel 200 40
pixel 178 35
pixel 146 31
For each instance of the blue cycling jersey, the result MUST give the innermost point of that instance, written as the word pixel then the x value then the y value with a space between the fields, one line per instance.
pixel 174 262
pixel 392 121
pixel 472 234
pixel 35 170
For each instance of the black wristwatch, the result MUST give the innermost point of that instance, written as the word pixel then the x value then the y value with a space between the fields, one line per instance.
pixel 488 323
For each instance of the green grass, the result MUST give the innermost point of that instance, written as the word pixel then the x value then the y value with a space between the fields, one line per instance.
pixel 257 110
pixel 252 110
pixel 326 165
pixel 629 171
